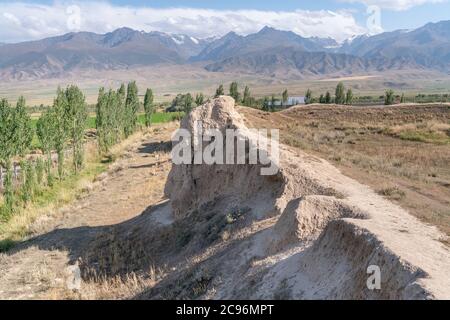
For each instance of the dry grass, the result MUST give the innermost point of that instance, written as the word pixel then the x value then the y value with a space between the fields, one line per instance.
pixel 52 285
pixel 119 287
pixel 430 131
pixel 401 152
pixel 392 192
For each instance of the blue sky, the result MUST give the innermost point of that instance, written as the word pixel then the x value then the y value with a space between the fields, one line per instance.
pixel 340 19
pixel 414 17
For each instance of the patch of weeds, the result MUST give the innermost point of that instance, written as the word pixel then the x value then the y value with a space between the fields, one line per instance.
pixel 108 158
pixel 217 225
pixel 336 158
pixel 201 284
pixel 422 135
pixel 5 214
pixel 236 213
pixel 340 128
pixel 283 292
pixel 330 192
pixel 293 142
pixel 214 228
pixel 397 164
pixel 392 192
pixel 183 237
pixel 6 245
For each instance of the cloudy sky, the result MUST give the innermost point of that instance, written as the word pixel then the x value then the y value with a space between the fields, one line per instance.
pixel 339 19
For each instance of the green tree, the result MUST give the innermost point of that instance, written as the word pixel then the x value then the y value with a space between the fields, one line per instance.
pixel 46 129
pixel 182 102
pixel 308 96
pixel 246 100
pixel 40 169
pixel 340 93
pixel 322 99
pixel 28 175
pixel 284 97
pixel 60 122
pixel 8 194
pixel 328 97
pixel 7 151
pixel 265 105
pixel 402 99
pixel 15 138
pixel 220 91
pixel 273 102
pixel 389 97
pixel 23 128
pixel 114 117
pixel 120 113
pixel 234 91
pixel 199 99
pixel 349 97
pixel 76 117
pixel 105 119
pixel 7 132
pixel 148 107
pixel 131 109
pixel 188 100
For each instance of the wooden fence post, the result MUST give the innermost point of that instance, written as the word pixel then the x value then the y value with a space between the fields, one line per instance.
pixel 16 174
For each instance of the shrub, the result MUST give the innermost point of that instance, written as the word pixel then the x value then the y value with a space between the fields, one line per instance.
pixel 389 97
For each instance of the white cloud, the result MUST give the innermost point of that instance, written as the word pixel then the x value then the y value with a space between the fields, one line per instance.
pixel 24 21
pixel 397 5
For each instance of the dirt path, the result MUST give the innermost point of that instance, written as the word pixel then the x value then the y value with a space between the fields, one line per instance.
pixel 38 268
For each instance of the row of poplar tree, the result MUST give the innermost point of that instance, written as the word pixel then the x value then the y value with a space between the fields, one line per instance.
pixel 117 114
pixel 246 99
pixel 61 124
pixel 341 96
pixel 60 129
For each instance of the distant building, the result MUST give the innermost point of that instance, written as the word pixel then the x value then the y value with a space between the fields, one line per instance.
pixel 291 101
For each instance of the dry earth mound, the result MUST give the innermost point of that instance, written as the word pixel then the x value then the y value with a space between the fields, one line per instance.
pixel 306 232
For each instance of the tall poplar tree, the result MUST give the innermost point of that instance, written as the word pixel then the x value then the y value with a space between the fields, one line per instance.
pixel 148 107
pixel 131 109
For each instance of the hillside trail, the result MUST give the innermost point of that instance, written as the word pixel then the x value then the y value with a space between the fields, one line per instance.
pixel 38 267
